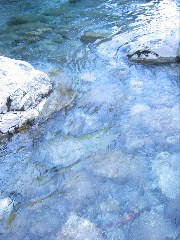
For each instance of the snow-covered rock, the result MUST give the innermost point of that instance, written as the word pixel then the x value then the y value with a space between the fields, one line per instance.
pixel 23 93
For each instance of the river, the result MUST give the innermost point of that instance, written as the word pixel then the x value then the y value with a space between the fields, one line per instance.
pixel 106 166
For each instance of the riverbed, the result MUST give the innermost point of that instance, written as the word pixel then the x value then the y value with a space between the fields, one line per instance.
pixel 105 166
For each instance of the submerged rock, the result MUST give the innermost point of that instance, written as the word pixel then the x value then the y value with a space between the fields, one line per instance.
pixel 17 20
pixel 152 226
pixel 166 171
pixel 73 1
pixel 155 50
pixel 24 19
pixel 26 40
pixel 23 93
pixel 90 37
pixel 79 228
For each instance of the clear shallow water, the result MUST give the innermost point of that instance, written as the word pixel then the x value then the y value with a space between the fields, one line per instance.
pixel 106 167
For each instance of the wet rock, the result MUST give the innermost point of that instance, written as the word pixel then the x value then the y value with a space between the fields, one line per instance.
pixel 23 93
pixel 39 31
pixel 24 19
pixel 62 11
pixel 90 37
pixel 26 40
pixel 62 96
pixel 79 228
pixel 18 20
pixel 178 52
pixel 73 1
pixel 155 50
pixel 59 40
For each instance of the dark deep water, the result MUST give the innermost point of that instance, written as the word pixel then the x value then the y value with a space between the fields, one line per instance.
pixel 106 167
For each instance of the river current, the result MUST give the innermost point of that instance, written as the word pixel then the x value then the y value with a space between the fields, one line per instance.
pixel 106 166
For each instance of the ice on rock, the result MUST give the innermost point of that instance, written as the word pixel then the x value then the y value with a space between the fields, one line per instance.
pixel 78 228
pixel 152 226
pixel 165 168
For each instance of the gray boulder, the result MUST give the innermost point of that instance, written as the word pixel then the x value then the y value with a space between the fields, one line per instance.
pixel 23 92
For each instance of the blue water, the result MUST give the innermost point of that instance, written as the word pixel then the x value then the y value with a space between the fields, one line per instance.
pixel 106 165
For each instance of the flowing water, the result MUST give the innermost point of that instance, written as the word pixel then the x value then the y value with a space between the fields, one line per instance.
pixel 107 166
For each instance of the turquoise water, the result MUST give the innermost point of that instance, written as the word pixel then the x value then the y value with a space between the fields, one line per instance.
pixel 105 166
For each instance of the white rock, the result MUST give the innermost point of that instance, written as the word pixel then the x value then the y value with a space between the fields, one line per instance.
pixel 22 90
pixel 153 50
